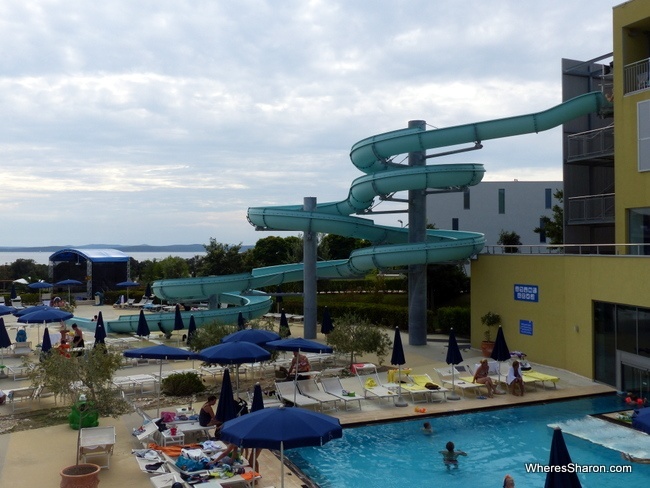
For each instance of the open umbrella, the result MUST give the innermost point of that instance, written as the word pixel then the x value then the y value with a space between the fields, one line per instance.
pixel 326 327
pixel 68 283
pixel 500 352
pixel 46 315
pixel 560 457
pixel 241 323
pixel 281 428
pixel 143 327
pixel 300 345
pixel 27 310
pixel 235 353
pixel 285 331
pixel 6 310
pixel 127 284
pixel 226 408
pixel 256 336
pixel 100 330
pixel 398 359
pixel 5 341
pixel 191 329
pixel 46 344
pixel 453 357
pixel 160 352
pixel 40 285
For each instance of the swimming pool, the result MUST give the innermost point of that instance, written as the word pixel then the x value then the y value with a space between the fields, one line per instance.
pixel 498 442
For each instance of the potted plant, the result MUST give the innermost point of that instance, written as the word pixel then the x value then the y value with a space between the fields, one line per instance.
pixel 91 377
pixel 489 320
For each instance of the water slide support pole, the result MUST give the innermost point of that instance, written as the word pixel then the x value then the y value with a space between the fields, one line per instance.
pixel 417 273
pixel 310 245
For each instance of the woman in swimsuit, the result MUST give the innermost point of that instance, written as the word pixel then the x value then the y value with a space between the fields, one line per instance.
pixel 481 376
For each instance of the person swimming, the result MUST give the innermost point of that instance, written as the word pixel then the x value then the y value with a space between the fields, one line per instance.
pixel 427 429
pixel 450 455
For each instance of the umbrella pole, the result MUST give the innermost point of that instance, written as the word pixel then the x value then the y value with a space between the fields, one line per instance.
pixel 454 395
pixel 282 464
pixel 499 390
pixel 159 385
pixel 295 379
pixel 400 401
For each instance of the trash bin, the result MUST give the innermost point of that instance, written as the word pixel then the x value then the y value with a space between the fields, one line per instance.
pixel 99 298
pixel 83 415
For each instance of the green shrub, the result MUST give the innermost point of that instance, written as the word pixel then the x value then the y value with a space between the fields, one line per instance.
pixel 182 384
pixel 457 317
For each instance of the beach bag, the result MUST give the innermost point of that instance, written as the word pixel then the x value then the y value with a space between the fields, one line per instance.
pixel 167 416
pixel 431 386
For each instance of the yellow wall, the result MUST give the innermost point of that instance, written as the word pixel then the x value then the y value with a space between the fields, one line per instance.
pixel 567 287
pixel 632 187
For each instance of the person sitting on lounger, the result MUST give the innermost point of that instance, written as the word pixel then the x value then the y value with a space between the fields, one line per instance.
pixel 481 376
pixel 450 455
pixel 514 379
pixel 303 365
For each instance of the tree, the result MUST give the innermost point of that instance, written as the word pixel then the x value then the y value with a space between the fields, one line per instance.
pixel 553 227
pixel 333 246
pixel 174 267
pixel 274 250
pixel 221 259
pixel 356 336
pixel 508 239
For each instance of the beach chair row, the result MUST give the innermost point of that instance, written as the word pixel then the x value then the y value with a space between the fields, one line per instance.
pixel 22 398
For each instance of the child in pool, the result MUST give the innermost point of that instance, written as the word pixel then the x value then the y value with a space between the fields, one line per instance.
pixel 450 455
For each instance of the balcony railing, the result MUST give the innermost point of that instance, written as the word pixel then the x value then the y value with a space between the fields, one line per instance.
pixel 591 209
pixel 637 249
pixel 637 76
pixel 595 143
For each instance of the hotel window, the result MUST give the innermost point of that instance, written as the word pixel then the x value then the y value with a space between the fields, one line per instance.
pixel 542 234
pixel 466 199
pixel 502 200
pixel 643 135
pixel 454 224
pixel 548 198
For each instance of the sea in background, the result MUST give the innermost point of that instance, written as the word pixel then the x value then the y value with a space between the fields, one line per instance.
pixel 43 257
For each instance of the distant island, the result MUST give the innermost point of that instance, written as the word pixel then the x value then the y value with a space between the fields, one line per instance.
pixel 125 249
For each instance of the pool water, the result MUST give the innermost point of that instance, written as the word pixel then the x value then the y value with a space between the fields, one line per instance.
pixel 498 442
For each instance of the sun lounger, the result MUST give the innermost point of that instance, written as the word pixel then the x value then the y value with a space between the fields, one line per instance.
pixel 371 383
pixel 540 378
pixel 269 401
pixel 288 393
pixel 419 382
pixel 334 387
pixel 445 375
pixel 96 442
pixel 310 388
pixel 20 396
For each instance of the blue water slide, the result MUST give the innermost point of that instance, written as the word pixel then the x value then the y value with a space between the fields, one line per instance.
pixel 374 157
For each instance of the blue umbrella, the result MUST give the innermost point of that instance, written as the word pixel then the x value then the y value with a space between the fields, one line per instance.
pixel 4 338
pixel 178 318
pixel 256 336
pixel 226 408
pixel 6 310
pixel 560 457
pixel 46 345
pixel 453 357
pixel 27 310
pixel 143 327
pixel 241 323
pixel 127 284
pixel 39 285
pixel 147 291
pixel 191 329
pixel 326 326
pixel 258 399
pixel 500 352
pixel 68 283
pixel 285 331
pixel 100 330
pixel 281 428
pixel 160 352
pixel 398 360
pixel 44 316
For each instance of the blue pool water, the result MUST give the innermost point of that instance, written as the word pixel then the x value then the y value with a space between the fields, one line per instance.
pixel 498 442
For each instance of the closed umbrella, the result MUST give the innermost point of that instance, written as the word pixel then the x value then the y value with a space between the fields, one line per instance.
pixel 327 326
pixel 143 327
pixel 285 331
pixel 160 352
pixel 281 428
pixel 69 283
pixel 191 330
pixel 100 330
pixel 178 318
pixel 560 478
pixel 5 341
pixel 258 398
pixel 226 408
pixel 241 323
pixel 453 357
pixel 147 291
pixel 500 352
pixel 256 336
pixel 13 295
pixel 46 344
pixel 398 359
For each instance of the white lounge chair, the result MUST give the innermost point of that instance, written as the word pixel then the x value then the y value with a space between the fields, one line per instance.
pixel 416 386
pixel 310 388
pixel 447 377
pixel 334 387
pixel 371 383
pixel 288 393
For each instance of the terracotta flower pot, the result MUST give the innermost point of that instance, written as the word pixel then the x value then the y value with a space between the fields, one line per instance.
pixel 486 348
pixel 80 476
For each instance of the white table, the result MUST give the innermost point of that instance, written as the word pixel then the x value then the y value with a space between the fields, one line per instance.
pixel 95 442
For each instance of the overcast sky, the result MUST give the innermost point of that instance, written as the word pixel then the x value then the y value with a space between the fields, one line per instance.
pixel 161 122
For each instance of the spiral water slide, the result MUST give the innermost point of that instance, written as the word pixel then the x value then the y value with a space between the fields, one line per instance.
pixel 373 156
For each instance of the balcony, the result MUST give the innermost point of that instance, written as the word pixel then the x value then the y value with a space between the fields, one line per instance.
pixel 597 144
pixel 591 209
pixel 636 76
